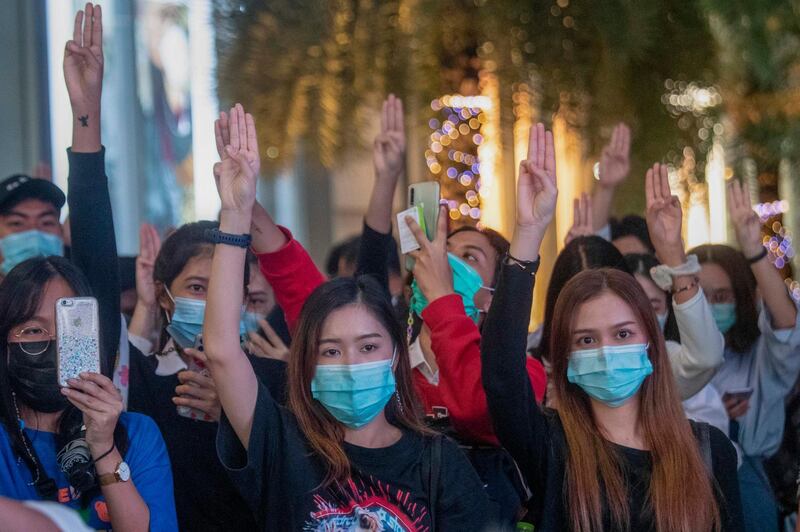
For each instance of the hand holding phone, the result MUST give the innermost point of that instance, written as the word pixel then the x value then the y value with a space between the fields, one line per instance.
pixel 425 196
pixel 77 338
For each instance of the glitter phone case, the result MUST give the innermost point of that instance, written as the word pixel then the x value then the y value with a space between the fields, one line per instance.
pixel 77 337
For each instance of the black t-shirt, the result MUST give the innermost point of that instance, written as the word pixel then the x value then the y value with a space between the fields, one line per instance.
pixel 205 498
pixel 282 480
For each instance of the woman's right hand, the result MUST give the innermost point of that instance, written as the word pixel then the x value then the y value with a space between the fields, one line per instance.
pixel 198 391
pixel 237 177
pixel 582 221
pixel 746 223
pixel 149 245
pixel 268 346
pixel 431 266
pixel 664 217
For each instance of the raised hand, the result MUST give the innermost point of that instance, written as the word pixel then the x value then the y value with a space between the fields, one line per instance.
pixel 83 63
pixel 222 135
pixel 664 216
pixel 536 189
pixel 389 148
pixel 431 267
pixel 101 403
pixel 582 224
pixel 615 159
pixel 237 178
pixel 149 245
pixel 746 223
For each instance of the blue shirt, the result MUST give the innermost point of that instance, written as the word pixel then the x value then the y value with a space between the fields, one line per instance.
pixel 146 456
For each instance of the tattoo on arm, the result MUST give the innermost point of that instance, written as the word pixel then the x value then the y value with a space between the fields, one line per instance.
pixel 84 120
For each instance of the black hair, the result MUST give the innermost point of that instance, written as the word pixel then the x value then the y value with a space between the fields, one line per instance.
pixel 185 243
pixel 20 296
pixel 346 250
pixel 632 225
pixel 496 240
pixel 744 332
pixel 641 263
pixel 583 253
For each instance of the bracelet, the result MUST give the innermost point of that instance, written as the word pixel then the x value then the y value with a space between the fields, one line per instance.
pixel 689 286
pixel 753 260
pixel 113 446
pixel 529 266
pixel 218 237
pixel 662 274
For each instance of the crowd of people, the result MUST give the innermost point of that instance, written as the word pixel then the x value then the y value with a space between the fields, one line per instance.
pixel 242 389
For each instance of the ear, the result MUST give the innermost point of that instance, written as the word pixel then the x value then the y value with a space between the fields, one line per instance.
pixel 163 298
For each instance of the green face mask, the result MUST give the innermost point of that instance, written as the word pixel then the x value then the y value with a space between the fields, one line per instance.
pixel 466 283
pixel 725 316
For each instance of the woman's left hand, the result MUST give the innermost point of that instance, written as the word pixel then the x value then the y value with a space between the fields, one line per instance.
pixel 101 403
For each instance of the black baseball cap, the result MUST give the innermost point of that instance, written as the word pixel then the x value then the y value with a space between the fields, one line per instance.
pixel 19 187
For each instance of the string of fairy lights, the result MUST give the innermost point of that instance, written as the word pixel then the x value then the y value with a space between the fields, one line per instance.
pixel 452 153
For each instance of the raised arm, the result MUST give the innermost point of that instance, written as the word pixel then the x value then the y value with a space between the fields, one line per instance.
pixel 614 168
pixel 748 232
pixel 518 421
pixel 582 219
pixel 233 375
pixel 701 351
pixel 94 246
pixel 388 157
pixel 143 322
pixel 284 263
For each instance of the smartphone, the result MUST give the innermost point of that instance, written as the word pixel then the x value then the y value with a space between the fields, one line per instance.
pixel 195 366
pixel 425 194
pixel 77 337
pixel 742 394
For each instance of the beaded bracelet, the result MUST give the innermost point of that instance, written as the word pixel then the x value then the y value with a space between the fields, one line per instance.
pixel 686 288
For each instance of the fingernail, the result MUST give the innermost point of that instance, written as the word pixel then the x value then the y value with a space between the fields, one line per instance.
pixel 72 381
pixel 65 391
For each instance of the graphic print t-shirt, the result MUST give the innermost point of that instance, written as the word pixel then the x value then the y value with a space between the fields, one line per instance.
pixel 146 456
pixel 281 480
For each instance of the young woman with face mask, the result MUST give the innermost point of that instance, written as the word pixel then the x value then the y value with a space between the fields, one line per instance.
pixel 116 470
pixel 349 451
pixel 173 388
pixel 72 445
pixel 762 361
pixel 682 310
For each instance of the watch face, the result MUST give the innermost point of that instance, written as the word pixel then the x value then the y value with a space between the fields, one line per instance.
pixel 124 472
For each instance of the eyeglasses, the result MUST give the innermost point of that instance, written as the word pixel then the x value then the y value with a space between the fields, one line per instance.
pixel 33 340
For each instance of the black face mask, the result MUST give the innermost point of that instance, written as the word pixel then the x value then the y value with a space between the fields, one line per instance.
pixel 34 378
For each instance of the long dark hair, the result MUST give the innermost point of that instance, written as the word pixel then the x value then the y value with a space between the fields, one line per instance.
pixel 680 494
pixel 185 243
pixel 323 432
pixel 744 332
pixel 641 263
pixel 20 296
pixel 583 253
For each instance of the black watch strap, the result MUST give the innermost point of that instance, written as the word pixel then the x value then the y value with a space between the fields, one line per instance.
pixel 218 237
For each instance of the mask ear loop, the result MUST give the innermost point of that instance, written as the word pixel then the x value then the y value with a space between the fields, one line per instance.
pixel 169 294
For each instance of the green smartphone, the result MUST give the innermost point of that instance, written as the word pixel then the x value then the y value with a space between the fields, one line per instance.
pixel 426 195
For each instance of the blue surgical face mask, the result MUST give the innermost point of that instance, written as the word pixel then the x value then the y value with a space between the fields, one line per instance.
pixel 250 321
pixel 466 283
pixel 662 320
pixel 724 315
pixel 19 247
pixel 186 323
pixel 354 393
pixel 611 374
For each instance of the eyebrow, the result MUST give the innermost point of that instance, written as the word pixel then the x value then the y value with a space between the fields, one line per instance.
pixel 621 324
pixel 47 212
pixel 476 248
pixel 358 338
pixel 197 278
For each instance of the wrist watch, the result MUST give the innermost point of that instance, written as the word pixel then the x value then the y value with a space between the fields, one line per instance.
pixel 122 473
pixel 218 237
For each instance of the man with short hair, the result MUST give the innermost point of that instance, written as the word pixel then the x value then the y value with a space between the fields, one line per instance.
pixel 30 210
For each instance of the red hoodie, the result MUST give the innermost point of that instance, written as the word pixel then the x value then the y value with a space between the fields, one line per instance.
pixel 454 338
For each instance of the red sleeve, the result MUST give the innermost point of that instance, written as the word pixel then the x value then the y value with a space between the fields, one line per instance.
pixel 455 340
pixel 292 275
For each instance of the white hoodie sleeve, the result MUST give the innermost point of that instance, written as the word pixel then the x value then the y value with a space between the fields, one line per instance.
pixel 695 360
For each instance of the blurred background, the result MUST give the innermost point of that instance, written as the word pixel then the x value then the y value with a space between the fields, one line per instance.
pixel 710 86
